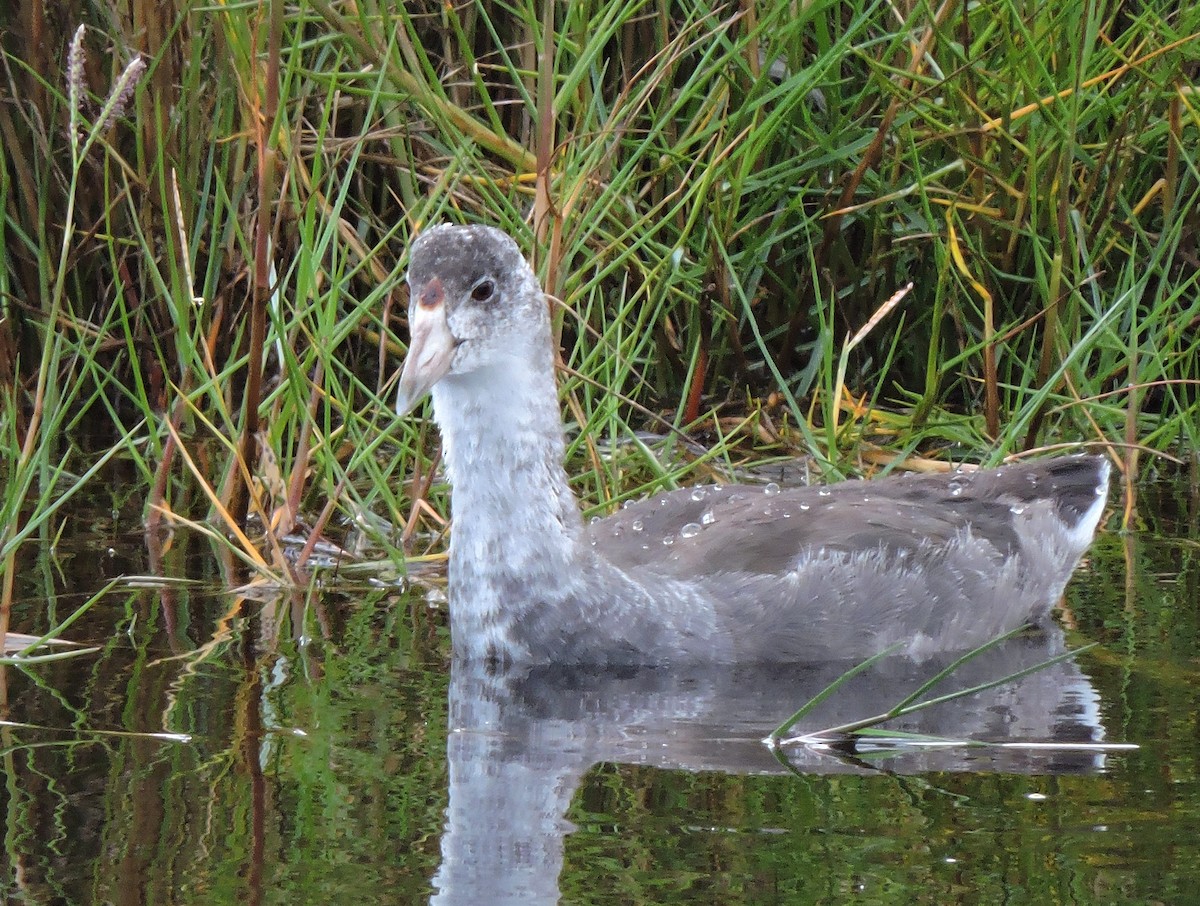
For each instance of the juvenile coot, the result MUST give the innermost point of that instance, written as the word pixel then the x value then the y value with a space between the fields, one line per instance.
pixel 708 574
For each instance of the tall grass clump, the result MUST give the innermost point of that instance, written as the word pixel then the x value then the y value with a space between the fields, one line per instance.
pixel 728 201
pixel 37 479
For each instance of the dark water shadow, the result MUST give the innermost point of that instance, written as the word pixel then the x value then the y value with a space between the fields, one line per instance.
pixel 520 742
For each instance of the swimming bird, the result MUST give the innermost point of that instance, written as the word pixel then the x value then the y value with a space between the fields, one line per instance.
pixel 717 574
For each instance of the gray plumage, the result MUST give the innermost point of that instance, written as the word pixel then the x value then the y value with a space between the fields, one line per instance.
pixel 717 574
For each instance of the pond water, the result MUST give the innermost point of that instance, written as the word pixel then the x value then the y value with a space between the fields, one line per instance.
pixel 254 748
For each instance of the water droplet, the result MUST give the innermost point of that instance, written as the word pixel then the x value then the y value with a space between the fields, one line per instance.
pixel 594 520
pixel 956 488
pixel 716 487
pixel 627 504
pixel 645 547
pixel 824 492
pixel 771 490
pixel 708 518
pixel 691 530
pixel 804 506
pixel 668 540
pixel 637 525
pixel 698 493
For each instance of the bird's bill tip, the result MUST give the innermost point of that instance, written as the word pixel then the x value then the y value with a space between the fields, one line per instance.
pixel 430 354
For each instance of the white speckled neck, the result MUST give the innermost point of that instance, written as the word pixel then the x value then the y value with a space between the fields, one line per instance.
pixel 516 524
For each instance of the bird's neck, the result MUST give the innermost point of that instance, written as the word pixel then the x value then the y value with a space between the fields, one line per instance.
pixel 516 524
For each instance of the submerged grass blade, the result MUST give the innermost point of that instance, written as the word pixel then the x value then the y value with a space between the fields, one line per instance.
pixel 776 737
pixel 848 731
pixel 26 654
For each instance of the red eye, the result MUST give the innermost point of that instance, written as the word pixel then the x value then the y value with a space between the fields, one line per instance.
pixel 483 291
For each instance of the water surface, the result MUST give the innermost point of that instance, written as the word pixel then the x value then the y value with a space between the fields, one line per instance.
pixel 317 748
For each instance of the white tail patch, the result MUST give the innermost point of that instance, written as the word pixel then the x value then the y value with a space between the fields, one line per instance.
pixel 1084 530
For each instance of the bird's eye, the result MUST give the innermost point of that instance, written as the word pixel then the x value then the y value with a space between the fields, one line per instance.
pixel 483 291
